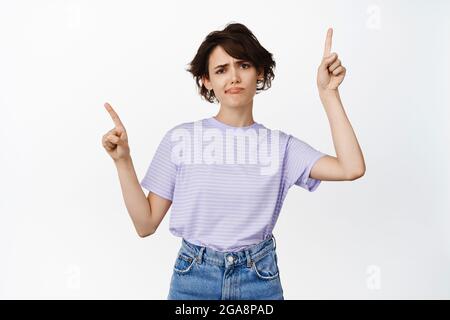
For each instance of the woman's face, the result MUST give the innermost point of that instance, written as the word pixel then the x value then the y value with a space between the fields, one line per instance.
pixel 226 72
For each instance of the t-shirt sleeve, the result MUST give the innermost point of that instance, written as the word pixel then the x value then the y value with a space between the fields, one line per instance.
pixel 300 157
pixel 161 173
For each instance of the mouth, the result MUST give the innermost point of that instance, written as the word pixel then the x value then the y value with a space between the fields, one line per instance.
pixel 234 90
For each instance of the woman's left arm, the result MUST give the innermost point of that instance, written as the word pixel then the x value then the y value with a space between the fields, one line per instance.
pixel 349 162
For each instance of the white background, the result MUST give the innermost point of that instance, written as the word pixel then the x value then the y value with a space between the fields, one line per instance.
pixel 64 229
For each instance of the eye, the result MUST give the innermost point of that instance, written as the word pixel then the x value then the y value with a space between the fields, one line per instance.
pixel 242 64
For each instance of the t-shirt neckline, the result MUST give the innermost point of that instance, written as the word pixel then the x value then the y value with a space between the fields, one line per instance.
pixel 224 125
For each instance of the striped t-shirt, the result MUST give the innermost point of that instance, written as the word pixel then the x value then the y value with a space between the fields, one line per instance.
pixel 227 184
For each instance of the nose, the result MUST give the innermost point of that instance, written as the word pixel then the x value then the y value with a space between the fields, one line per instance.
pixel 234 75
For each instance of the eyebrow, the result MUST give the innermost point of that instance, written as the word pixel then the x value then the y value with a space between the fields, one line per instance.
pixel 226 64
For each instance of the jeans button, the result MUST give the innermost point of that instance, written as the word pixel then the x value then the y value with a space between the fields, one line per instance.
pixel 230 259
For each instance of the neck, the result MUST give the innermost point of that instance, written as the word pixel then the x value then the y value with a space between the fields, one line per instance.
pixel 236 116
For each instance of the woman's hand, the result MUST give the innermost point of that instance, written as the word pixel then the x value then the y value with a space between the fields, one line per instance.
pixel 331 73
pixel 115 141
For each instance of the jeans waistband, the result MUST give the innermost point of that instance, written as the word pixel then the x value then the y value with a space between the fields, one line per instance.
pixel 248 255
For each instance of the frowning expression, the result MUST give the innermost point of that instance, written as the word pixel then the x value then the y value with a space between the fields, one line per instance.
pixel 233 80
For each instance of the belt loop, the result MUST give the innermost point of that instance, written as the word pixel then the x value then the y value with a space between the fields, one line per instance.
pixel 274 242
pixel 249 259
pixel 200 254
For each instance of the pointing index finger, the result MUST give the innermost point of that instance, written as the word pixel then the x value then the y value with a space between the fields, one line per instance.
pixel 114 115
pixel 327 50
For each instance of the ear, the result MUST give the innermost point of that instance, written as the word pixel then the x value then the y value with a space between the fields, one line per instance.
pixel 206 82
pixel 260 73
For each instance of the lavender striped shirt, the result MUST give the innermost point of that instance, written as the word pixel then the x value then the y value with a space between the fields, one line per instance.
pixel 227 184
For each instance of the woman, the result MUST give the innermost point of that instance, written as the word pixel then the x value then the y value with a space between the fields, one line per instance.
pixel 226 196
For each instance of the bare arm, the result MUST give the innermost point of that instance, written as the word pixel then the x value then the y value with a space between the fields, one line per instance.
pixel 349 161
pixel 145 212
pixel 137 205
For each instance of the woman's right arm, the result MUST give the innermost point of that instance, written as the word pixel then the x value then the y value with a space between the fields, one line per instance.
pixel 145 212
pixel 137 204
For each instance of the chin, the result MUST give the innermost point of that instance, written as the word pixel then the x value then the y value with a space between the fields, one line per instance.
pixel 237 100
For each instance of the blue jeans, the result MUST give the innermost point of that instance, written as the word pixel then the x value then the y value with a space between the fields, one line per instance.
pixel 201 273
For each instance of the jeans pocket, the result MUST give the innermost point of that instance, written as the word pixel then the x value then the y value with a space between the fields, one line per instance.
pixel 266 267
pixel 183 263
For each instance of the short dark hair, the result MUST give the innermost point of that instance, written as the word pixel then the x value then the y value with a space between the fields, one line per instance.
pixel 239 42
